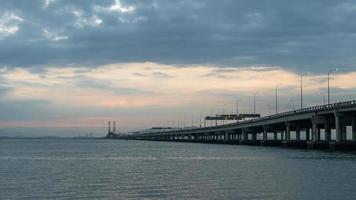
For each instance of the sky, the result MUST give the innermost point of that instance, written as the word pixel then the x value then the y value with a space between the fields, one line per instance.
pixel 156 62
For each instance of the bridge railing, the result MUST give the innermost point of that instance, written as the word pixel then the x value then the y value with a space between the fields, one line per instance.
pixel 325 107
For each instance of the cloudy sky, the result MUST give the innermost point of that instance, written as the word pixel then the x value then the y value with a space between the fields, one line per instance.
pixel 154 62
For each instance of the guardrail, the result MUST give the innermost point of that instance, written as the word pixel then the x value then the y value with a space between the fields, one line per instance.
pixel 325 107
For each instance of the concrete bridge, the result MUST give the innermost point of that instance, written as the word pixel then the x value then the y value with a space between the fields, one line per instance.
pixel 319 127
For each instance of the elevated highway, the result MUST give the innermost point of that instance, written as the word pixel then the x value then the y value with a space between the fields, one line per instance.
pixel 322 127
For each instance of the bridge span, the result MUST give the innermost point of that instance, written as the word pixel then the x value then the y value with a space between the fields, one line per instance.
pixel 319 127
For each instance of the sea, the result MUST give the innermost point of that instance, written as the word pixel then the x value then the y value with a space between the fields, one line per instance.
pixel 119 169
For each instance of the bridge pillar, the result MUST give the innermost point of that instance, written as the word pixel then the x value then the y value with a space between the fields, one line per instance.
pixel 275 135
pixel 327 132
pixel 254 136
pixel 282 135
pixel 227 136
pixel 244 135
pixel 344 131
pixel 353 124
pixel 307 134
pixel 337 126
pixel 287 131
pixel 297 133
pixel 265 133
pixel 318 131
pixel 315 130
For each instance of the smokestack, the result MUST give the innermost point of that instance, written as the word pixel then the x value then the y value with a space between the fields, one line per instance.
pixel 114 126
pixel 109 126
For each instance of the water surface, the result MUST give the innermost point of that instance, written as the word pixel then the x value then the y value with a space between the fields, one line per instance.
pixel 113 169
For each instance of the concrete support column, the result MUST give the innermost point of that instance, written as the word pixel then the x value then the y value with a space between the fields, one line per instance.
pixel 275 135
pixel 227 136
pixel 282 135
pixel 265 134
pixel 307 134
pixel 254 136
pixel 353 124
pixel 318 132
pixel 288 131
pixel 297 133
pixel 315 132
pixel 344 132
pixel 337 126
pixel 244 135
pixel 327 132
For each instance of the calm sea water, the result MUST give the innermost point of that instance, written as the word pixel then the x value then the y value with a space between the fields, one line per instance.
pixel 113 169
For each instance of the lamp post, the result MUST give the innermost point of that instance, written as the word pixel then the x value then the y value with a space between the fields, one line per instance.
pixel 276 99
pixel 254 102
pixel 301 90
pixel 201 114
pixel 223 113
pixel 330 71
pixel 237 111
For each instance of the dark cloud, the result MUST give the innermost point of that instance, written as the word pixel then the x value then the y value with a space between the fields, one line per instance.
pixel 299 35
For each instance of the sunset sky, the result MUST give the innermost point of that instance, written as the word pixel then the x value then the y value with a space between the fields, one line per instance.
pixel 154 62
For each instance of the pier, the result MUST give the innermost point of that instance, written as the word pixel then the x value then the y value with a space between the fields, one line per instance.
pixel 318 127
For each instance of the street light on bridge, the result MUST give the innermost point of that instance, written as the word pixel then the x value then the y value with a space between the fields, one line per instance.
pixel 237 111
pixel 301 90
pixel 254 102
pixel 276 99
pixel 223 113
pixel 330 71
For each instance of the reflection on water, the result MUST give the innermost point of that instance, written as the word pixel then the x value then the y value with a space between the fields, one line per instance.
pixel 106 169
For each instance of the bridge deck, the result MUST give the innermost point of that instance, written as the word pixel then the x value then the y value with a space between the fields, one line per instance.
pixel 307 122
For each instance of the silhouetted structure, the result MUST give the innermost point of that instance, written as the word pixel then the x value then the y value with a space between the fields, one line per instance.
pixel 276 130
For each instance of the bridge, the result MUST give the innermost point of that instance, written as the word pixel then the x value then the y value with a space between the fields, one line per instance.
pixel 318 127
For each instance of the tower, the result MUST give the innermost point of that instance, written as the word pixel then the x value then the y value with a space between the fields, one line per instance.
pixel 109 127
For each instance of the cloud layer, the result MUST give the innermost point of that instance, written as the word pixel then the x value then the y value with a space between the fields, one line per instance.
pixel 141 94
pixel 144 63
pixel 298 35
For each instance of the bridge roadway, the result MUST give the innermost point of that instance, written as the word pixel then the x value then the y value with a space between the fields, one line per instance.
pixel 319 127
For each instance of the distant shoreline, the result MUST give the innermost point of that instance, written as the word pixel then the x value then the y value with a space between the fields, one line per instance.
pixel 30 138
